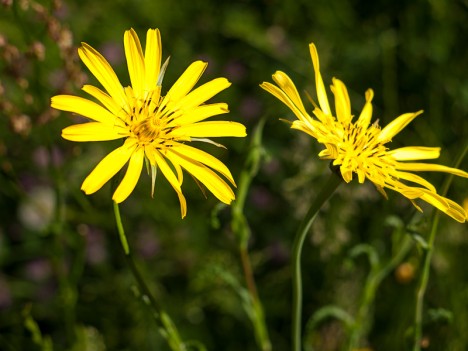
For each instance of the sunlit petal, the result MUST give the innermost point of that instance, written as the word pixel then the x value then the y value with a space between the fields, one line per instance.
pixel 104 73
pixel 395 126
pixel 131 177
pixel 92 131
pixel 411 153
pixel 153 54
pixel 107 168
pixel 211 129
pixel 135 61
pixel 85 108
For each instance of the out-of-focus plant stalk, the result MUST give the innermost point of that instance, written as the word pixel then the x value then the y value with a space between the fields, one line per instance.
pixel 376 275
pixel 241 229
pixel 427 259
pixel 324 195
pixel 166 327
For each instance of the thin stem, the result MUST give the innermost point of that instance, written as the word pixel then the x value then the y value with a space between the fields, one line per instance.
pixel 427 260
pixel 327 191
pixel 241 229
pixel 167 327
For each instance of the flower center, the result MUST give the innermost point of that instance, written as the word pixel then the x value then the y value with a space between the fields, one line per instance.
pixel 147 119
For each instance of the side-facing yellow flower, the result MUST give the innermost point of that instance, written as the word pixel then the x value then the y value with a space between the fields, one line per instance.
pixel 156 128
pixel 360 147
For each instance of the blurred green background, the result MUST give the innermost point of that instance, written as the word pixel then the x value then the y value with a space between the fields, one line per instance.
pixel 63 275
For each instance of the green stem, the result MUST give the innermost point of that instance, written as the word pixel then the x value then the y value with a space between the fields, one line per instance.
pixel 327 191
pixel 375 278
pixel 167 327
pixel 427 260
pixel 241 229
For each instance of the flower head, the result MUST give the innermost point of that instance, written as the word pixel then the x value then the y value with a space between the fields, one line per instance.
pixel 156 128
pixel 360 146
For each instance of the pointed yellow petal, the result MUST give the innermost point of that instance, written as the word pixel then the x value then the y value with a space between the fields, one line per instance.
pixel 131 177
pixel 394 127
pixel 104 99
pixel 103 72
pixel 285 99
pixel 205 158
pixel 206 176
pixel 107 168
pixel 200 113
pixel 171 178
pixel 416 179
pixel 447 206
pixel 342 103
pixel 84 108
pixel 430 167
pixel 287 85
pixel 135 61
pixel 366 113
pixel 210 129
pixel 153 53
pixel 321 92
pixel 186 82
pixel 202 94
pixel 92 131
pixel 411 153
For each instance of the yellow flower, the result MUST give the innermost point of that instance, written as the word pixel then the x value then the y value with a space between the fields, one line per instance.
pixel 360 146
pixel 156 128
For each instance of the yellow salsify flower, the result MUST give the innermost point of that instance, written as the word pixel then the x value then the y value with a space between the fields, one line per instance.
pixel 360 146
pixel 157 128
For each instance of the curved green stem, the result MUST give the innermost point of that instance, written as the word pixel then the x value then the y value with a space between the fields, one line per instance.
pixel 427 259
pixel 165 324
pixel 327 191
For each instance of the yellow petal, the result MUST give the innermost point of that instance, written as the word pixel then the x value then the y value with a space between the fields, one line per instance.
pixel 342 103
pixel 447 206
pixel 107 168
pixel 206 176
pixel 153 53
pixel 366 113
pixel 430 167
pixel 104 73
pixel 285 99
pixel 186 82
pixel 202 93
pixel 200 113
pixel 395 126
pixel 287 85
pixel 84 108
pixel 135 61
pixel 131 177
pixel 210 129
pixel 104 99
pixel 92 131
pixel 205 158
pixel 171 178
pixel 410 153
pixel 416 179
pixel 321 92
